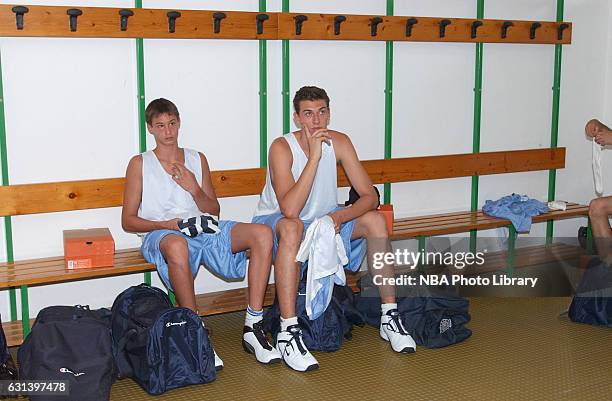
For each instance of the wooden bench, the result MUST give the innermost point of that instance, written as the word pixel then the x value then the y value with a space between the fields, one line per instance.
pixel 29 199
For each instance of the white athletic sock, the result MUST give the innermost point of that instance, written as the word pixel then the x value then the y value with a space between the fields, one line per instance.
pixel 384 308
pixel 252 316
pixel 288 322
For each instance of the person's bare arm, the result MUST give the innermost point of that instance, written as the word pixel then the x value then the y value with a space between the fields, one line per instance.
pixel 204 196
pixel 359 179
pixel 292 195
pixel 207 195
pixel 132 197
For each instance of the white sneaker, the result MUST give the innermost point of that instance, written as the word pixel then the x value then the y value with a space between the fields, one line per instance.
pixel 392 330
pixel 293 351
pixel 218 361
pixel 254 341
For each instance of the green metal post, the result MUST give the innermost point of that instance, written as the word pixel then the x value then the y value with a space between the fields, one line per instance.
pixel 511 249
pixel 552 174
pixel 388 103
pixel 421 240
pixel 286 77
pixel 477 120
pixel 25 311
pixel 8 228
pixel 142 124
pixel 263 96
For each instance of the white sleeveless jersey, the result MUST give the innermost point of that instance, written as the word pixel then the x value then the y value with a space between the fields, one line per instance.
pixel 162 198
pixel 323 196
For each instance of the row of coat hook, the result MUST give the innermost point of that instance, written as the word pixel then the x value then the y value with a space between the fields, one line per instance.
pixel 124 14
pixel 411 23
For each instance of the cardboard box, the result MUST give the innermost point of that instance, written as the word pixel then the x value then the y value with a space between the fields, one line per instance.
pixel 387 210
pixel 88 248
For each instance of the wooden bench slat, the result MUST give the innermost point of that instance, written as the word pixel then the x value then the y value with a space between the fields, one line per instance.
pixel 60 270
pixel 103 193
pixel 423 221
pixel 461 215
pixel 432 217
pixel 13 332
pixel 120 259
pixel 80 275
pixel 58 263
pixel 460 165
pixel 465 221
pixel 120 254
pixel 52 270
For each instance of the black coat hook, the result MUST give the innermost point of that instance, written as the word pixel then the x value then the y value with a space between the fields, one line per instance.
pixel 561 28
pixel 217 17
pixel 505 27
pixel 19 12
pixel 299 21
pixel 172 16
pixel 532 30
pixel 73 13
pixel 125 14
pixel 475 26
pixel 443 24
pixel 374 25
pixel 409 24
pixel 338 19
pixel 260 20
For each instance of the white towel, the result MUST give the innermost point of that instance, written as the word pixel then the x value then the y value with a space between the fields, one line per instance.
pixel 597 173
pixel 326 256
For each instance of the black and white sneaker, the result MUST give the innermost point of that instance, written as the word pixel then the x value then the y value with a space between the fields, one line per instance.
pixel 293 351
pixel 392 330
pixel 254 341
pixel 218 361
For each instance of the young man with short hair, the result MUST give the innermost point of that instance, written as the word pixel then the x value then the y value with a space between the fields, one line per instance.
pixel 301 185
pixel 168 184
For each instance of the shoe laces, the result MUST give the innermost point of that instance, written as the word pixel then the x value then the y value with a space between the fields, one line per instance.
pixel 260 335
pixel 296 337
pixel 397 326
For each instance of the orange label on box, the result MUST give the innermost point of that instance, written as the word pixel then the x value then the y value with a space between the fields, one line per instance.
pixel 78 263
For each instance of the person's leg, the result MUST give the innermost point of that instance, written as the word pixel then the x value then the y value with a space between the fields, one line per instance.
pixel 176 253
pixel 372 225
pixel 599 212
pixel 174 249
pixel 286 269
pixel 257 238
pixel 286 275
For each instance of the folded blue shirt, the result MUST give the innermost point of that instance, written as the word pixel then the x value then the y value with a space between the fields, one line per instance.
pixel 517 208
